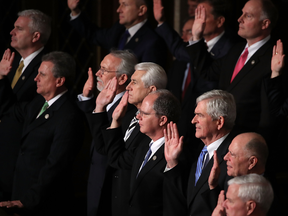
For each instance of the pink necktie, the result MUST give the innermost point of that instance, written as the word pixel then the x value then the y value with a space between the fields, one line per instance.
pixel 240 64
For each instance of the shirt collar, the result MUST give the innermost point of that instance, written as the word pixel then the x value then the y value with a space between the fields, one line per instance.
pixel 212 42
pixel 117 97
pixel 132 30
pixel 156 145
pixel 29 58
pixel 51 101
pixel 215 145
pixel 254 47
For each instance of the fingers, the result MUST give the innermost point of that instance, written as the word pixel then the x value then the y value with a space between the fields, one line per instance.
pixel 221 198
pixel 216 162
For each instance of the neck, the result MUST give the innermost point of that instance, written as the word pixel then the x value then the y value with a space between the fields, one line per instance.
pixel 255 40
pixel 53 94
pixel 209 37
pixel 208 140
pixel 26 52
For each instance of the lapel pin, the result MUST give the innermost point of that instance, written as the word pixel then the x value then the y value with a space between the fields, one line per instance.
pixel 136 39
pixel 46 116
pixel 253 62
pixel 154 157
pixel 23 77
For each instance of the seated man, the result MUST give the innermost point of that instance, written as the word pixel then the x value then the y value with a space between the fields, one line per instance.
pixel 51 138
pixel 247 195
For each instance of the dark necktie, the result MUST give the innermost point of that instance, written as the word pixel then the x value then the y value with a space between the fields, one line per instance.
pixel 147 156
pixel 17 74
pixel 131 127
pixel 123 40
pixel 187 82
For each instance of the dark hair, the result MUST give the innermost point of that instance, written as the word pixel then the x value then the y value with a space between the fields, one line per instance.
pixel 220 8
pixel 64 66
pixel 167 104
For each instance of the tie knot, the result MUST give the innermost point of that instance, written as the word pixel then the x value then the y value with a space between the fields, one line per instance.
pixel 126 33
pixel 204 150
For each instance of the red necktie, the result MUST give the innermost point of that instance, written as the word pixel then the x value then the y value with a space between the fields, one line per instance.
pixel 240 64
pixel 187 82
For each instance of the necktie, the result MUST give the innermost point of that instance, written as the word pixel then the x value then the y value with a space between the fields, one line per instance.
pixel 200 163
pixel 44 108
pixel 187 82
pixel 148 154
pixel 131 127
pixel 240 64
pixel 17 74
pixel 123 40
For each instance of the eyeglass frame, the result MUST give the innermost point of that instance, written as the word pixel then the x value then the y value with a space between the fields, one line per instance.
pixel 104 70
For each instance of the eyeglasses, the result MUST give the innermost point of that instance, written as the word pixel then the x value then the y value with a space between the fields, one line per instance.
pixel 102 70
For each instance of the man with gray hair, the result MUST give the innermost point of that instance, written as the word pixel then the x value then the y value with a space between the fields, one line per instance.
pixel 31 32
pixel 214 119
pixel 250 195
pixel 147 77
pixel 50 140
pixel 119 64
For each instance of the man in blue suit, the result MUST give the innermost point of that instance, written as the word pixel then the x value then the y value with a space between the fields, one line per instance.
pixel 131 32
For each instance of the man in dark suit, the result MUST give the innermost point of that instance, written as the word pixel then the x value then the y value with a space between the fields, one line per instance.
pixel 214 119
pixel 31 32
pixel 131 32
pixel 119 64
pixel 147 161
pixel 148 77
pixel 51 137
pixel 243 70
pixel 182 77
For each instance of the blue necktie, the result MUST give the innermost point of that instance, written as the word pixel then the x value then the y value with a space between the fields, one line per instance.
pixel 148 154
pixel 200 163
pixel 123 40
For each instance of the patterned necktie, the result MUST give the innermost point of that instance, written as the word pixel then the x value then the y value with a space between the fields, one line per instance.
pixel 148 154
pixel 17 74
pixel 44 108
pixel 200 163
pixel 187 82
pixel 240 64
pixel 123 40
pixel 131 127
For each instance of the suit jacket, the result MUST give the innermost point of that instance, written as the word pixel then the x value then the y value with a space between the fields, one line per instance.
pixel 49 144
pixel 108 187
pixel 247 87
pixel 183 186
pixel 146 44
pixel 10 129
pixel 146 190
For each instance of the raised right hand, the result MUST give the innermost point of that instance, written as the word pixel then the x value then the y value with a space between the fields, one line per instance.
pixel 199 23
pixel 158 10
pixel 6 63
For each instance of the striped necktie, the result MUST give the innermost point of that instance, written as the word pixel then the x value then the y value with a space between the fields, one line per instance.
pixel 200 163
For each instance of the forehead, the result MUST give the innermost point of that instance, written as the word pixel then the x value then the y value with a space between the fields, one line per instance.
pixel 128 1
pixel 137 75
pixel 148 102
pixel 110 61
pixel 46 67
pixel 201 107
pixel 22 21
pixel 253 7
pixel 237 145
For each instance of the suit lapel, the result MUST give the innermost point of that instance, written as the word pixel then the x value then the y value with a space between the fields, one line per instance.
pixel 250 64
pixel 137 37
pixel 154 160
pixel 46 116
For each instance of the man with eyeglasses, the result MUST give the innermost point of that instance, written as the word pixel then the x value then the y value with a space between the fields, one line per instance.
pixel 118 64
pixel 146 161
pixel 148 77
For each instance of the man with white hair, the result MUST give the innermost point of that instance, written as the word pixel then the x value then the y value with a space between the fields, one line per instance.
pixel 249 195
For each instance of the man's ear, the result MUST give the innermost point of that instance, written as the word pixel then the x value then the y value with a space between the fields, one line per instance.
pixel 266 23
pixel 250 206
pixel 60 81
pixel 142 10
pixel 122 79
pixel 252 162
pixel 220 21
pixel 163 120
pixel 152 88
pixel 220 122
pixel 36 37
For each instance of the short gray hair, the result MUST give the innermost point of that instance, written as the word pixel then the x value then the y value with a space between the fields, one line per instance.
pixel 254 187
pixel 155 75
pixel 64 66
pixel 128 62
pixel 40 22
pixel 220 103
pixel 167 104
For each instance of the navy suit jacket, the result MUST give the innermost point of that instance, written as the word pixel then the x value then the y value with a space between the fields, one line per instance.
pixel 49 144
pixel 146 44
pixel 10 130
